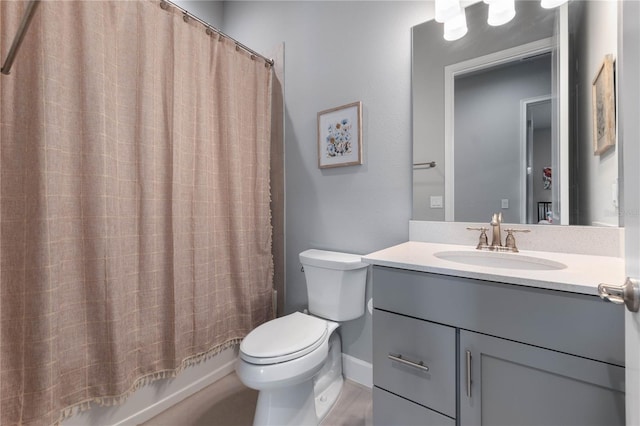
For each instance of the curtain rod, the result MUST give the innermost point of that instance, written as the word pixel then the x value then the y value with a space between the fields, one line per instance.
pixel 165 4
pixel 33 4
pixel 17 41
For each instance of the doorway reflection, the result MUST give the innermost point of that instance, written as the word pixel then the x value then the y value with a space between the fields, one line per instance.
pixel 496 170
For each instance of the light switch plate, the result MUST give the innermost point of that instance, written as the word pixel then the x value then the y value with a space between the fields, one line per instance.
pixel 505 203
pixel 435 201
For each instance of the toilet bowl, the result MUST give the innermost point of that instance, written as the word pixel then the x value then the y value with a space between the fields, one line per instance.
pixel 295 361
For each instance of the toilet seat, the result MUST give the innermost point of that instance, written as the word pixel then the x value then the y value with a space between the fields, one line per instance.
pixel 284 339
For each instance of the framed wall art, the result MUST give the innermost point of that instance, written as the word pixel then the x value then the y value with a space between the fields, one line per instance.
pixel 340 136
pixel 603 107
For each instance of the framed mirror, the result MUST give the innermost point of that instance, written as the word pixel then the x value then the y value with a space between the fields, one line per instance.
pixel 478 118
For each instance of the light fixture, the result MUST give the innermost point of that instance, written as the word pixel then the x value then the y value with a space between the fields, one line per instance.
pixel 446 9
pixel 456 27
pixel 500 12
pixel 550 4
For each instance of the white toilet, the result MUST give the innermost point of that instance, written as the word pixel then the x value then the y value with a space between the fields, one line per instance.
pixel 296 361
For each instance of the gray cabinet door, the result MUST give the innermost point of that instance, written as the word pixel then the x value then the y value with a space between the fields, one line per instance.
pixel 517 384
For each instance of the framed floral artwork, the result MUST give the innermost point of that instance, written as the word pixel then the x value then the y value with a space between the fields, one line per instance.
pixel 603 108
pixel 340 136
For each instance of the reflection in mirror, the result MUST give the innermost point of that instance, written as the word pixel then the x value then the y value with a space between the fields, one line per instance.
pixel 487 114
pixel 503 156
pixel 537 172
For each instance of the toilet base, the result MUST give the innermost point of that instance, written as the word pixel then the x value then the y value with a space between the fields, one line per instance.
pixel 328 381
pixel 327 399
pixel 287 406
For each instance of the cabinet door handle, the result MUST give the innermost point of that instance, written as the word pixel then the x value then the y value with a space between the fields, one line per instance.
pixel 398 357
pixel 468 365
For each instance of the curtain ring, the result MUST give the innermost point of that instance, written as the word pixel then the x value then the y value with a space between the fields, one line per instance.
pixel 164 5
pixel 185 17
pixel 220 37
pixel 209 32
pixel 253 57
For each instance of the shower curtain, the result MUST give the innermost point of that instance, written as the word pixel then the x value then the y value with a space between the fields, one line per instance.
pixel 135 234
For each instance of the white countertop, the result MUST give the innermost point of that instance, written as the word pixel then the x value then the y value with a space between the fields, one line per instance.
pixel 582 274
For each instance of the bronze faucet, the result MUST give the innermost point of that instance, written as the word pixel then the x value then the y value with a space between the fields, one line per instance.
pixel 496 236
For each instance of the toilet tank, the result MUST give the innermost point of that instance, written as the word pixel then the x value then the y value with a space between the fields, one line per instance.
pixel 335 284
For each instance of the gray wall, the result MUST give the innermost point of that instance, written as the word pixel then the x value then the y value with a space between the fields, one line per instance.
pixel 337 53
pixel 431 54
pixel 596 36
pixel 212 12
pixel 487 124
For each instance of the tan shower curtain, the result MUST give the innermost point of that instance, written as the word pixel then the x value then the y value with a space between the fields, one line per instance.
pixel 135 234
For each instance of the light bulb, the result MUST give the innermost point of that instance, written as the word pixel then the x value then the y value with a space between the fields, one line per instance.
pixel 446 9
pixel 550 4
pixel 500 12
pixel 455 27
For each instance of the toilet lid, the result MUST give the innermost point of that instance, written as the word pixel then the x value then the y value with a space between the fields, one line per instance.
pixel 283 339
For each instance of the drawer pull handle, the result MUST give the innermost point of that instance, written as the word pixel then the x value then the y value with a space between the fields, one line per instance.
pixel 419 365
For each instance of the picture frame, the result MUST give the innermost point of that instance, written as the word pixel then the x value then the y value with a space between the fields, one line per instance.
pixel 340 136
pixel 603 107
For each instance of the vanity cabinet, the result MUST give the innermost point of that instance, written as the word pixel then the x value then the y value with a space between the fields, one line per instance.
pixel 451 350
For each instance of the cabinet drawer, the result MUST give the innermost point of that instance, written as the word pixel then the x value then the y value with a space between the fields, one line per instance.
pixel 415 340
pixel 391 410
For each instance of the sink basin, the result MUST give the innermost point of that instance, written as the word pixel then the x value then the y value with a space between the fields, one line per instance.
pixel 500 260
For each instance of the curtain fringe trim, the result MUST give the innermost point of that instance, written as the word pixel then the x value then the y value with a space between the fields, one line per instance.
pixel 140 382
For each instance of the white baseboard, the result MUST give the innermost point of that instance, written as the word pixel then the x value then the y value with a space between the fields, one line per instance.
pixel 357 370
pixel 156 397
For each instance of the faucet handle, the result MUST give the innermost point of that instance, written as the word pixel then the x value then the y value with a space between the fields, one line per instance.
pixel 510 241
pixel 483 241
pixel 517 230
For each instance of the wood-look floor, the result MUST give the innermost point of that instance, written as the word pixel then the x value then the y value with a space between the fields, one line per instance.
pixel 229 403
